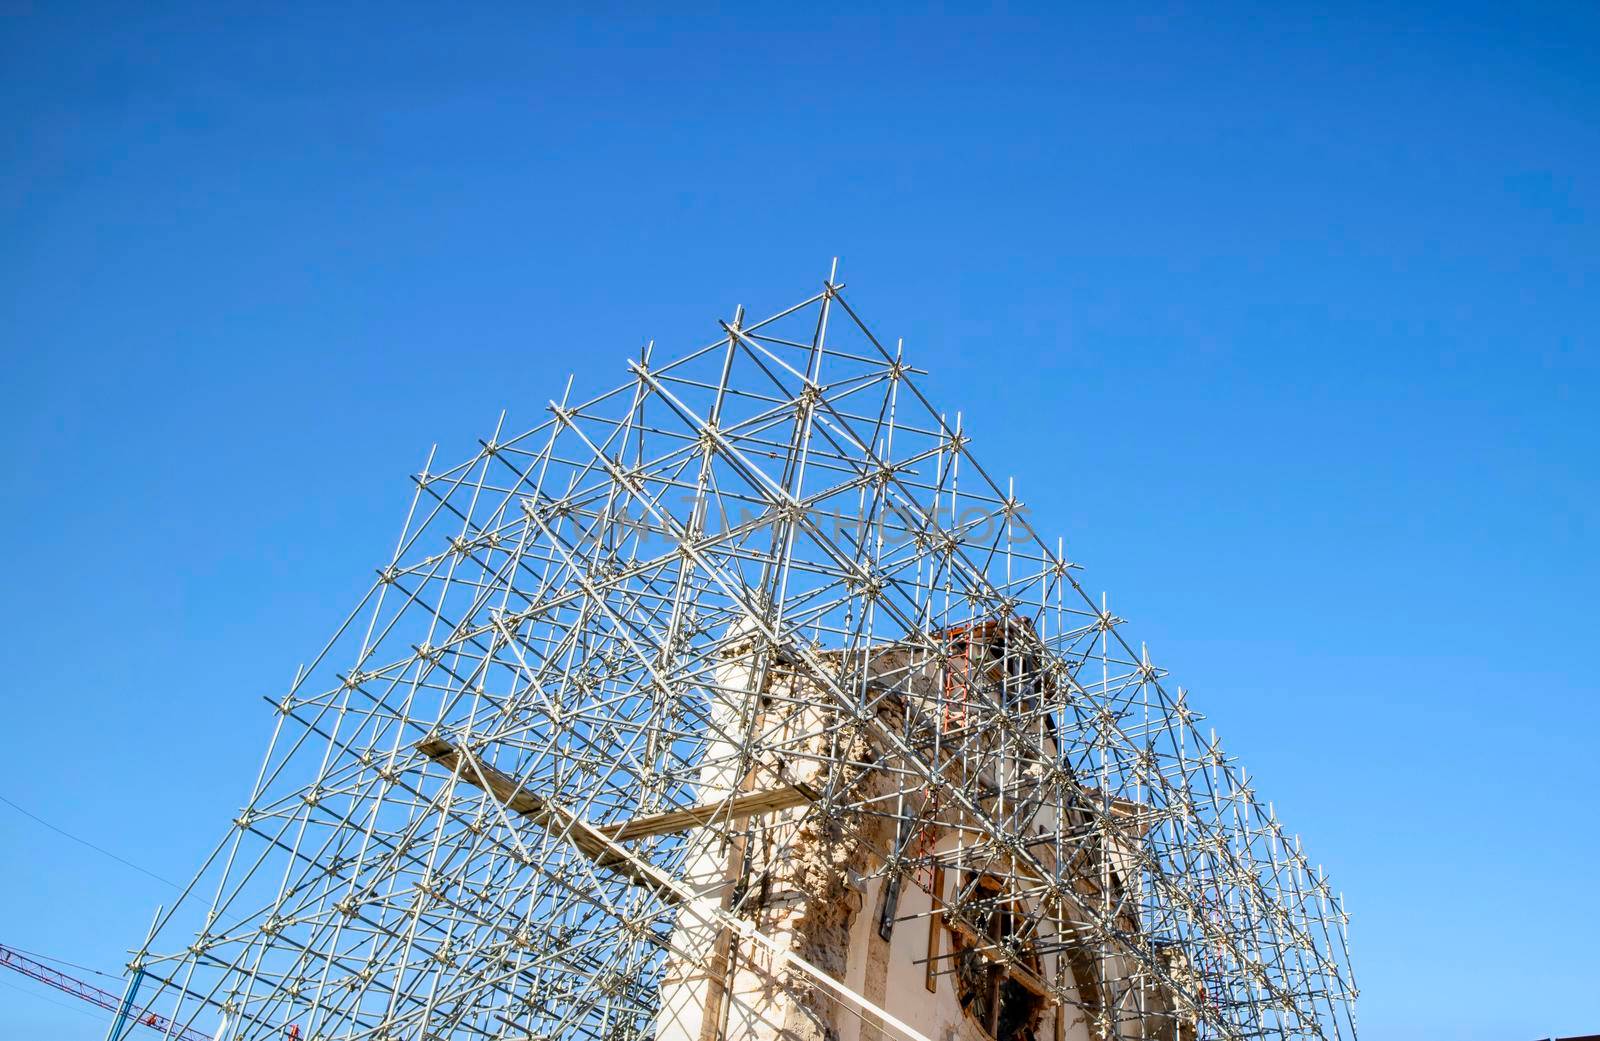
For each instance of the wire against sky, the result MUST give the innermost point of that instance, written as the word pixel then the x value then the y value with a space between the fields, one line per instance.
pixel 85 842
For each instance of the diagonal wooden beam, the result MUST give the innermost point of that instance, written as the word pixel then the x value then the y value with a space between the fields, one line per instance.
pixel 540 812
pixel 647 874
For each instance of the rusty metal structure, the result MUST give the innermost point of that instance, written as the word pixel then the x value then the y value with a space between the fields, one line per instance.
pixel 758 592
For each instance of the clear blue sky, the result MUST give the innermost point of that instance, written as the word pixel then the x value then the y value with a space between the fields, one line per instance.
pixel 1286 319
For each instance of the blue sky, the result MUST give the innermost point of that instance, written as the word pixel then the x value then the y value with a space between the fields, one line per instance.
pixel 1284 318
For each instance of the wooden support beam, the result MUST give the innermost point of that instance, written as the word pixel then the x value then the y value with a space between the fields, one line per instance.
pixel 544 812
pixel 748 804
pixel 538 811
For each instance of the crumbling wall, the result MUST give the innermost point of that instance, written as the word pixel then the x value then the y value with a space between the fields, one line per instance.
pixel 809 871
pixel 804 876
pixel 818 860
pixel 801 880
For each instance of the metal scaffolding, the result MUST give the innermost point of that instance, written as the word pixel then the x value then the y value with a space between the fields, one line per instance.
pixel 758 586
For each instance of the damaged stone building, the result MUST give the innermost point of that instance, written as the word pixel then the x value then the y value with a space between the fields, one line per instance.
pixel 908 902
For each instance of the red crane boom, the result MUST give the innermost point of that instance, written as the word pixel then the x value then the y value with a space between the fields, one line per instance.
pixel 18 962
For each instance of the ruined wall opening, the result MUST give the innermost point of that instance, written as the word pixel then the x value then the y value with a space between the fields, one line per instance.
pixel 997 1000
